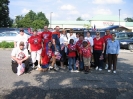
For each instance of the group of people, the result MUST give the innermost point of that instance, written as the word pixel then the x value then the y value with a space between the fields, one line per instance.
pixel 75 50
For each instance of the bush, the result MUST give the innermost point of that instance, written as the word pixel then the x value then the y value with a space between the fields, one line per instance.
pixel 5 44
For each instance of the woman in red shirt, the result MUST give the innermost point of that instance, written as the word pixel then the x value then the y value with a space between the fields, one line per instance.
pixel 35 45
pixel 98 47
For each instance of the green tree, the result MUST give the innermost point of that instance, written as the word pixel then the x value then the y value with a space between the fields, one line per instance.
pixel 128 19
pixel 5 20
pixel 79 19
pixel 31 19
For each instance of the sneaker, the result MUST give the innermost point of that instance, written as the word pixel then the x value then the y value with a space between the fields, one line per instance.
pixel 56 67
pixel 96 68
pixel 114 71
pixel 50 67
pixel 71 71
pixel 76 71
pixel 109 71
pixel 100 69
pixel 106 67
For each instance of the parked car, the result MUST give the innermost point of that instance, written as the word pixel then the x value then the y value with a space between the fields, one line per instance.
pixel 123 35
pixel 8 36
pixel 127 43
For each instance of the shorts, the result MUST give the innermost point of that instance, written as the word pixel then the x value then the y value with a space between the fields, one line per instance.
pixel 45 66
pixel 86 61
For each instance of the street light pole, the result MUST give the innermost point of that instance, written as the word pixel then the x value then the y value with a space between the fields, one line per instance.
pixel 50 19
pixel 119 17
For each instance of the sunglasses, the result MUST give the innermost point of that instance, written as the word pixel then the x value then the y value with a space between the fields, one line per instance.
pixel 97 34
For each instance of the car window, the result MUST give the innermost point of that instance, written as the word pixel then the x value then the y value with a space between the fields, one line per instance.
pixel 13 34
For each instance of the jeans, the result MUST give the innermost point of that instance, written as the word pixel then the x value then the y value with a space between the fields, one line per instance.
pixel 71 61
pixel 97 61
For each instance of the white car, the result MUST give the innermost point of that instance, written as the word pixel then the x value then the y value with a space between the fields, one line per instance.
pixel 8 36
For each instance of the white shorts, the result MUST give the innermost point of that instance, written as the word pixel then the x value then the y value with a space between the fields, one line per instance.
pixel 36 55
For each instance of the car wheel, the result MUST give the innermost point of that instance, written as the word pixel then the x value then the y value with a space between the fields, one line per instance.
pixel 130 46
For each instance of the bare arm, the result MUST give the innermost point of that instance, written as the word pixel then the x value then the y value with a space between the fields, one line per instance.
pixel 15 44
pixel 103 47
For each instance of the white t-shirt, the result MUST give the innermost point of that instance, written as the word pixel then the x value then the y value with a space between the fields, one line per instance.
pixel 90 39
pixel 71 37
pixel 19 54
pixel 76 39
pixel 63 39
pixel 20 38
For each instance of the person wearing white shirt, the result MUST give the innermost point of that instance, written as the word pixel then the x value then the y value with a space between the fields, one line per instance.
pixel 71 35
pixel 20 55
pixel 77 37
pixel 89 38
pixel 21 37
pixel 63 51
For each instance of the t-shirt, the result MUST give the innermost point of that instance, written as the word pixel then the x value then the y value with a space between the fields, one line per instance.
pixel 106 38
pixel 46 55
pixel 98 44
pixel 63 39
pixel 73 53
pixel 85 51
pixel 79 44
pixel 90 39
pixel 56 32
pixel 19 54
pixel 23 38
pixel 35 43
pixel 46 36
pixel 55 36
pixel 71 37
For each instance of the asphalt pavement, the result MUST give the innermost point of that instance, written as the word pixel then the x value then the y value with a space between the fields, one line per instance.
pixel 63 84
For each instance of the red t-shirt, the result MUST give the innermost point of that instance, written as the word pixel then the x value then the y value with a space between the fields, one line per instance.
pixel 73 53
pixel 79 44
pixel 85 51
pixel 46 55
pixel 106 37
pixel 58 33
pixel 46 36
pixel 35 43
pixel 98 44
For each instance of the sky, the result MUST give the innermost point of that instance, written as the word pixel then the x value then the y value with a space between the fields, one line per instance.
pixel 65 10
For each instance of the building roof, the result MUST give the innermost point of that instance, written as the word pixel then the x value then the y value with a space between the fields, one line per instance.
pixel 70 22
pixel 129 24
pixel 106 18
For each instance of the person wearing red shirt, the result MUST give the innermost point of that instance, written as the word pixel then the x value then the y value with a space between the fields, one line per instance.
pixel 46 56
pixel 71 56
pixel 46 36
pixel 98 47
pixel 85 52
pixel 78 46
pixel 106 38
pixel 35 45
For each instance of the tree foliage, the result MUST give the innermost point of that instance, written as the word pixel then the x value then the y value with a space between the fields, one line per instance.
pixel 128 19
pixel 5 20
pixel 79 19
pixel 31 19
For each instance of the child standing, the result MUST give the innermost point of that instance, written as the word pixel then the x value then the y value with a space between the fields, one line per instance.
pixel 71 56
pixel 85 52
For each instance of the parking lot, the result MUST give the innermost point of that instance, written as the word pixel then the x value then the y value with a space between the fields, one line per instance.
pixel 65 85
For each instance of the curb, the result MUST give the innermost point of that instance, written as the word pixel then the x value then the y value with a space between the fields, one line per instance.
pixel 6 48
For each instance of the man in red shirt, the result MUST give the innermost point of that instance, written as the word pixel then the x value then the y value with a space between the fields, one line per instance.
pixel 35 46
pixel 106 38
pixel 46 36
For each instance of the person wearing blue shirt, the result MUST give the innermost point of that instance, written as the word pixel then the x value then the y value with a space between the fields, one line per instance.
pixel 113 48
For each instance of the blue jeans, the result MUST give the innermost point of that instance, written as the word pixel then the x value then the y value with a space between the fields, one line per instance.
pixel 71 61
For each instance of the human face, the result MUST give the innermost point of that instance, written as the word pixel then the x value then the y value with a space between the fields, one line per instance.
pixel 64 32
pixel 71 41
pixel 88 34
pixel 22 32
pixel 113 36
pixel 21 47
pixel 97 35
pixel 57 28
pixel 81 38
pixel 45 28
pixel 35 33
pixel 77 35
pixel 84 44
pixel 49 44
pixel 107 32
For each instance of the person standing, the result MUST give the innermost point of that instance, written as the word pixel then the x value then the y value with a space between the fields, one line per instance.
pixel 112 50
pixel 85 52
pixel 106 38
pixel 99 47
pixel 89 38
pixel 77 37
pixel 21 37
pixel 63 51
pixel 71 35
pixel 35 43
